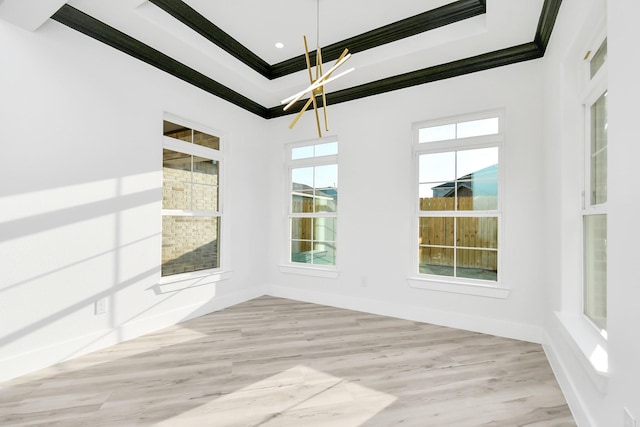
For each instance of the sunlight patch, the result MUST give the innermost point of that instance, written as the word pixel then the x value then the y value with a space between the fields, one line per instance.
pixel 297 396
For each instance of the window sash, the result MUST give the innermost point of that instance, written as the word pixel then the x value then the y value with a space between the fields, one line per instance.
pixel 594 212
pixel 460 259
pixel 313 240
pixel 596 150
pixel 594 298
pixel 197 249
pixel 310 246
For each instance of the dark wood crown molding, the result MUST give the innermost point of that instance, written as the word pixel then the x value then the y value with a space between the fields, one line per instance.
pixel 426 21
pixel 445 15
pixel 547 20
pixel 499 58
pixel 80 21
pixel 190 17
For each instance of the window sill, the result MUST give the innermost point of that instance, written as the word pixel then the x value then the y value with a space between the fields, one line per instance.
pixel 589 346
pixel 310 271
pixel 211 275
pixel 459 287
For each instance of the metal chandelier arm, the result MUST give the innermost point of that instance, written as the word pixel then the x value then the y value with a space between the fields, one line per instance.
pixel 325 78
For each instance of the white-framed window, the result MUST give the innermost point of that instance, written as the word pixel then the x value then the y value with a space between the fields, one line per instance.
pixel 582 316
pixel 191 199
pixel 594 211
pixel 458 191
pixel 312 199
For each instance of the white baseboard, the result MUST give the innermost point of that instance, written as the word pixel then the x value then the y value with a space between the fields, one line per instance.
pixel 569 390
pixel 450 319
pixel 31 361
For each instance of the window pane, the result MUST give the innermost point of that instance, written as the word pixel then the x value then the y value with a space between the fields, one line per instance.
pixel 326 176
pixel 437 196
pixel 599 178
pixel 437 261
pixel 327 149
pixel 477 232
pixel 205 197
pixel 598 59
pixel 477 264
pixel 326 200
pixel 301 228
pixel 599 151
pixel 437 133
pixel 176 195
pixel 324 253
pixel 176 131
pixel 302 190
pixel 324 229
pixel 436 231
pixel 477 164
pixel 301 251
pixel 302 152
pixel 595 269
pixel 302 178
pixel 205 171
pixel 173 163
pixel 437 167
pixel 206 140
pixel 176 175
pixel 477 195
pixel 189 244
pixel 478 128
pixel 326 188
pixel 302 201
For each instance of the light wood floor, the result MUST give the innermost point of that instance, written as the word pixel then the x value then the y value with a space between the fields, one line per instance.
pixel 276 362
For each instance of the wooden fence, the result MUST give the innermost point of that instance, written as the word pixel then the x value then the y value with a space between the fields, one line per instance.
pixel 477 235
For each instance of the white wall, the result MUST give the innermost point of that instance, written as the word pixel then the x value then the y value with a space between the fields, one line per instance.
pixel 598 402
pixel 624 286
pixel 80 195
pixel 376 203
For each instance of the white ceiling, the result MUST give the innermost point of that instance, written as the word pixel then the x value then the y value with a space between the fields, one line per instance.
pixel 259 24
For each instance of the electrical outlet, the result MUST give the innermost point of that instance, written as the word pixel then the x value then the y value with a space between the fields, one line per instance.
pixel 629 421
pixel 100 306
pixel 364 282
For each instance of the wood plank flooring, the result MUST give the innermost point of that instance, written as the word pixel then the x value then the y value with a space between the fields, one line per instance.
pixel 276 362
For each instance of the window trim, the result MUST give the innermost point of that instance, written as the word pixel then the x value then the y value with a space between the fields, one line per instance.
pixel 476 287
pixel 223 271
pixel 286 265
pixel 594 88
pixel 582 335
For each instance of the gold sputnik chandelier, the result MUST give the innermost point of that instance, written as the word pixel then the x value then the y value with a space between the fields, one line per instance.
pixel 317 83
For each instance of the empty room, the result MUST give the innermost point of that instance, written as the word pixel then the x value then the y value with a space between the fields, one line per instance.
pixel 319 213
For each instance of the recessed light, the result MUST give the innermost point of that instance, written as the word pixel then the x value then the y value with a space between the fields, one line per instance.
pixel 279 45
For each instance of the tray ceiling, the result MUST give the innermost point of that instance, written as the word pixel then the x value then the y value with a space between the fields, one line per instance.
pixel 228 48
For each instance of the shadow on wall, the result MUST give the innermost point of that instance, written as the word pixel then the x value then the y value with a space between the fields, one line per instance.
pixel 60 239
